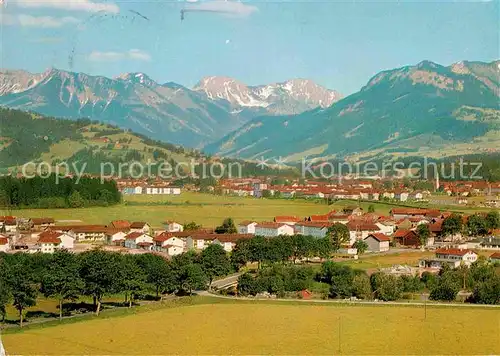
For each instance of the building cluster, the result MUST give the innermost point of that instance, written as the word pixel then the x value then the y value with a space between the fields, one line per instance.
pixel 379 232
pixel 359 189
pixel 146 187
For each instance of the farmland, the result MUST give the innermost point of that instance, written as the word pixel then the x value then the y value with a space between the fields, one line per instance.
pixel 209 326
pixel 206 209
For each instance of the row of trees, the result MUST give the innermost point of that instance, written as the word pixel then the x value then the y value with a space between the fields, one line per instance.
pixel 97 273
pixel 345 282
pixel 476 225
pixel 68 192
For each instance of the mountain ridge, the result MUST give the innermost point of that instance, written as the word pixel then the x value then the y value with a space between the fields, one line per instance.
pixel 429 105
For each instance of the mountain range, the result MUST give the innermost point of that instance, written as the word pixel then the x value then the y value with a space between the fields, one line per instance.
pixel 425 109
pixel 168 112
pixel 420 110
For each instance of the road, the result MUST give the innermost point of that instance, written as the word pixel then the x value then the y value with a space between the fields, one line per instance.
pixel 351 303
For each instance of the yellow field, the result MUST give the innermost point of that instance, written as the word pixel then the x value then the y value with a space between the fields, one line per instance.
pixel 272 328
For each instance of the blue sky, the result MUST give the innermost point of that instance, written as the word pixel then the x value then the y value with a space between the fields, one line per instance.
pixel 339 44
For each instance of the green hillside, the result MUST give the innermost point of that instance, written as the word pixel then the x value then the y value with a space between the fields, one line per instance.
pixel 422 110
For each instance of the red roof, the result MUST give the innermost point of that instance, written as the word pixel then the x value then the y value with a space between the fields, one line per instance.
pixel 402 232
pixel 287 219
pixel 362 226
pixel 144 243
pixel 121 224
pixel 133 235
pixel 49 237
pixel 270 225
pixel 452 251
pixel 318 224
pixel 379 237
pixel 4 241
pixel 246 223
pixel 137 225
pixel 40 221
pixel 496 256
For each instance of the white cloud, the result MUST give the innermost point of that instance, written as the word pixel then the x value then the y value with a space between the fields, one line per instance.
pixel 235 8
pixel 73 5
pixel 111 56
pixel 37 21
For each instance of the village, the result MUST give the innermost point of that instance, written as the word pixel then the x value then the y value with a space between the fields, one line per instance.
pixel 381 234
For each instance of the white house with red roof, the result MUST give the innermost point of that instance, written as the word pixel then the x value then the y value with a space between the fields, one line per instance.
pixel 359 230
pixel 246 227
pixel 312 228
pixel 454 257
pixel 4 243
pixel 140 226
pixel 271 229
pixel 495 257
pixel 50 241
pixel 377 242
pixel 139 240
pixel 173 226
pixel 116 237
pixel 169 243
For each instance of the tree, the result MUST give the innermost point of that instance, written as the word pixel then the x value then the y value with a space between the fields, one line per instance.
pixel 215 262
pixel 191 226
pixel 361 246
pixel 100 272
pixel 341 281
pixel 446 288
pixel 423 233
pixel 227 227
pixel 361 287
pixel 452 224
pixel 132 278
pixel 5 294
pixel 258 250
pixel 192 277
pixel 157 272
pixel 493 220
pixel 61 280
pixel 385 286
pixel 75 200
pixel 487 292
pixel 240 254
pixel 371 208
pixel 339 235
pixel 477 225
pixel 23 291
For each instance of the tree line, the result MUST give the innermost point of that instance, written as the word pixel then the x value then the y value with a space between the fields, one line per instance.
pixel 95 274
pixel 343 281
pixel 57 192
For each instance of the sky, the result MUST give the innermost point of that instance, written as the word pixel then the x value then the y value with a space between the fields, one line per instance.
pixel 338 44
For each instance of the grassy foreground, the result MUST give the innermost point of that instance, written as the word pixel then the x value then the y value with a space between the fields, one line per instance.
pixel 231 327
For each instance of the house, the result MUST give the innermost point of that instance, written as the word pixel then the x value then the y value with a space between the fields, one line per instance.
pixel 115 237
pixel 140 226
pixel 386 228
pixel 228 241
pixel 139 240
pixel 88 233
pixel 4 244
pixel 405 237
pixel 453 257
pixel 50 241
pixel 172 226
pixel 352 210
pixel 490 243
pixel 311 228
pixel 377 242
pixel 120 224
pixel 273 229
pixel 246 227
pixel 289 220
pixel 200 241
pixel 8 223
pixel 38 223
pixel 359 230
pixel 169 243
pixel 495 258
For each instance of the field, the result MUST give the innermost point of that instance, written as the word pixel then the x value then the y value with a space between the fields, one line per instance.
pixel 208 210
pixel 210 326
